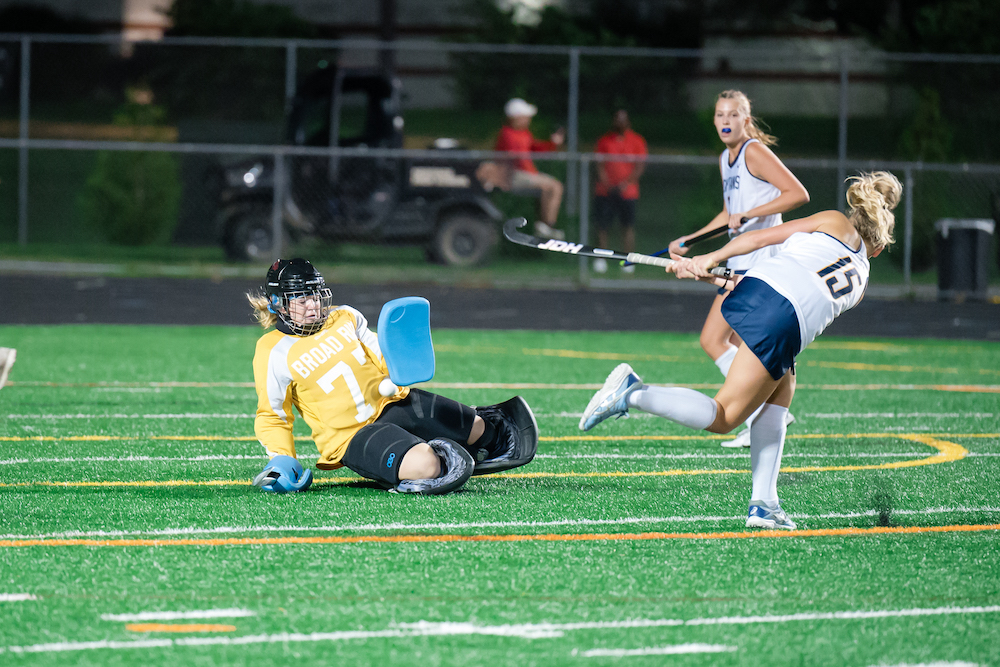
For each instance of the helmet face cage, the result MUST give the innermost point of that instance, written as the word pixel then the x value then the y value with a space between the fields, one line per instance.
pixel 282 306
pixel 290 281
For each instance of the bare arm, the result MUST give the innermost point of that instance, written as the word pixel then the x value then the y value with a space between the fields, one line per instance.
pixel 766 166
pixel 831 222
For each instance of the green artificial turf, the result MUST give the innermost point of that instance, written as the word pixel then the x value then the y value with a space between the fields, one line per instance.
pixel 612 547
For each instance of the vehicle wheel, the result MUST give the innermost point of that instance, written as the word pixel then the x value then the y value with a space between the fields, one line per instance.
pixel 250 239
pixel 465 240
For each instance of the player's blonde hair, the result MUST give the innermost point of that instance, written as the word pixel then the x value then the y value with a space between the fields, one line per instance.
pixel 262 309
pixel 743 104
pixel 872 198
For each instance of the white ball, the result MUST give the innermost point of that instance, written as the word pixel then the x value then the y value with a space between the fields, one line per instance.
pixel 387 388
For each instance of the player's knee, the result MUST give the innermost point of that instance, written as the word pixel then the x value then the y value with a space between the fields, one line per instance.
pixel 724 423
pixel 721 428
pixel 420 463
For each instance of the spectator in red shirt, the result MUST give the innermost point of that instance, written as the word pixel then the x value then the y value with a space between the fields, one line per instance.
pixel 519 175
pixel 617 187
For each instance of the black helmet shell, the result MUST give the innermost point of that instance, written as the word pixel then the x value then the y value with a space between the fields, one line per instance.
pixel 293 275
pixel 290 279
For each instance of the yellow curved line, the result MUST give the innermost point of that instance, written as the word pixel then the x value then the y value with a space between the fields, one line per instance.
pixel 947 452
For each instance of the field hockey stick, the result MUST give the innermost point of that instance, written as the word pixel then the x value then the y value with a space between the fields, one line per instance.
pixel 710 234
pixel 579 249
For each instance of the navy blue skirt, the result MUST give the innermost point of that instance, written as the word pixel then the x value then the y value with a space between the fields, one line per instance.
pixel 766 322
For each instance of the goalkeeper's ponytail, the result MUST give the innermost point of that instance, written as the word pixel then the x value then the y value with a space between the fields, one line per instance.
pixel 262 310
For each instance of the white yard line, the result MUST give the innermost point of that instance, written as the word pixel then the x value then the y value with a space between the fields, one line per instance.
pixel 655 650
pixel 522 631
pixel 546 415
pixel 186 415
pixel 590 386
pixel 178 615
pixel 471 525
pixel 899 415
pixel 16 597
pixel 741 454
pixel 818 415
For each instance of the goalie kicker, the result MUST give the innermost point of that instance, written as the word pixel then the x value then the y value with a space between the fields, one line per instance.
pixel 514 438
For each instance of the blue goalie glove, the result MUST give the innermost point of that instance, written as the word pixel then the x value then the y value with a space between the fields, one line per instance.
pixel 283 474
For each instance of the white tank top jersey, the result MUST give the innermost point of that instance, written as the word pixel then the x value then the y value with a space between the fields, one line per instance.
pixel 821 277
pixel 742 192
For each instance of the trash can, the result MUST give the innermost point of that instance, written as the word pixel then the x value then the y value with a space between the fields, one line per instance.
pixel 963 249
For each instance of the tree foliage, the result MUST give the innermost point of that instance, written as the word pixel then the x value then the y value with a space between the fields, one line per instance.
pixel 223 82
pixel 486 81
pixel 132 197
pixel 235 18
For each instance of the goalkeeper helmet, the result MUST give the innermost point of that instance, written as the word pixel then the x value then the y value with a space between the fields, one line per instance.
pixel 298 295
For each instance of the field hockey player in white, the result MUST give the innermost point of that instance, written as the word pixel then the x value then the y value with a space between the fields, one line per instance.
pixel 780 306
pixel 756 187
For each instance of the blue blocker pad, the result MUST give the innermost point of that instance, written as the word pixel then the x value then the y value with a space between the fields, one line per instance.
pixel 404 334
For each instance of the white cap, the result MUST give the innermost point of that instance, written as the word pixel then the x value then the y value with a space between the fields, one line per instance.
pixel 518 107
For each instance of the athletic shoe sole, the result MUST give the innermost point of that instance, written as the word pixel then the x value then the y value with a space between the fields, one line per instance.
pixel 609 393
pixel 755 520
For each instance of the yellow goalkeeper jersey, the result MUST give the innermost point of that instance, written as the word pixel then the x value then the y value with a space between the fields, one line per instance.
pixel 330 377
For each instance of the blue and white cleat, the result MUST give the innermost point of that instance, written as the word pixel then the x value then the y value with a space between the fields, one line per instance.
pixel 762 516
pixel 612 398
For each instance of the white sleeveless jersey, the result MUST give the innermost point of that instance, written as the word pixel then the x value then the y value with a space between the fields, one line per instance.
pixel 819 275
pixel 742 192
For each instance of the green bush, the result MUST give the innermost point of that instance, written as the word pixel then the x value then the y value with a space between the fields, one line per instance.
pixel 222 83
pixel 133 197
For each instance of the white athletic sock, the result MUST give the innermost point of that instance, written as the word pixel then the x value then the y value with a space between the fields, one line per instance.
pixel 685 406
pixel 753 416
pixel 725 359
pixel 767 440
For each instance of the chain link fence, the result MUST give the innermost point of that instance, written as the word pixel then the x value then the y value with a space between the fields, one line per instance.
pixel 257 147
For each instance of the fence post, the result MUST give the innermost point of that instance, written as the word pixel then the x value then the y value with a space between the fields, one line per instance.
pixel 572 129
pixel 908 230
pixel 22 153
pixel 291 73
pixel 278 205
pixel 842 134
pixel 584 214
